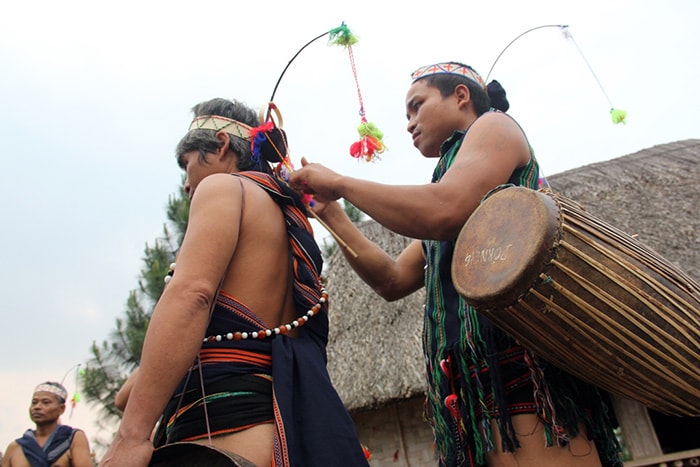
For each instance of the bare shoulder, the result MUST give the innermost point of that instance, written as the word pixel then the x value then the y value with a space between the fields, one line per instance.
pixel 13 455
pixel 80 455
pixel 215 184
pixel 498 134
pixel 498 121
pixel 79 435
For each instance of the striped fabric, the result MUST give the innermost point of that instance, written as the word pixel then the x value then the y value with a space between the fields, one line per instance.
pixel 490 375
pixel 279 379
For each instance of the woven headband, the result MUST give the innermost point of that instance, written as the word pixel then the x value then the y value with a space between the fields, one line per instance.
pixel 214 122
pixel 449 69
pixel 53 389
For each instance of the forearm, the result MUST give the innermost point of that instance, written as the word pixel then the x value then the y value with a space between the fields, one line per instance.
pixel 172 342
pixel 414 211
pixel 372 264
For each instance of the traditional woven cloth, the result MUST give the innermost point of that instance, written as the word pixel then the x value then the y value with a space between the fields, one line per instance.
pixel 490 376
pixel 313 428
pixel 58 443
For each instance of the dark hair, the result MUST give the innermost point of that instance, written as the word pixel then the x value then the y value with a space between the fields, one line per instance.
pixel 493 97
pixel 205 141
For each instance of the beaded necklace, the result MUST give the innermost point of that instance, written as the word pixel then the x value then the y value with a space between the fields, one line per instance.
pixel 264 332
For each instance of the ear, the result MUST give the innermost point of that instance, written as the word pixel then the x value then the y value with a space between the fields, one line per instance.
pixel 462 94
pixel 224 140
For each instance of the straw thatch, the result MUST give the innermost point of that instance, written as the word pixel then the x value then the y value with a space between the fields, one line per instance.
pixel 652 193
pixel 375 355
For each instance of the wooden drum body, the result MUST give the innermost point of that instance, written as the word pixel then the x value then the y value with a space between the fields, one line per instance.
pixel 585 296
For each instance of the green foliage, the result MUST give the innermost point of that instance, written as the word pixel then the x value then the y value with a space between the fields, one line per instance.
pixel 352 211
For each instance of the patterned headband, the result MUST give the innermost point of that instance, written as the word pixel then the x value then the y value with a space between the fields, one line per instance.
pixel 214 122
pixel 53 389
pixel 450 69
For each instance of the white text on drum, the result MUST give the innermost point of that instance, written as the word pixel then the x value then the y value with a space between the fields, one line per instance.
pixel 487 255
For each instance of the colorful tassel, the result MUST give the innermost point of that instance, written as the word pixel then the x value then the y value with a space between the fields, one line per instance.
pixel 366 451
pixel 258 137
pixel 342 36
pixel 618 116
pixel 370 143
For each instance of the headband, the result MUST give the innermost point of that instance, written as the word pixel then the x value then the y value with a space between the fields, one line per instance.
pixel 53 389
pixel 449 69
pixel 214 122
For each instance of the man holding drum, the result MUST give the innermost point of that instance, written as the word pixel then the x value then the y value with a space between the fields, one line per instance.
pixel 490 401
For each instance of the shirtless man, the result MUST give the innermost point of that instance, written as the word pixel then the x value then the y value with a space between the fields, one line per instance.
pixel 245 300
pixel 50 444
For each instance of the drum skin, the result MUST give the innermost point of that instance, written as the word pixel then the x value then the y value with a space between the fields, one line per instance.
pixel 187 454
pixel 583 295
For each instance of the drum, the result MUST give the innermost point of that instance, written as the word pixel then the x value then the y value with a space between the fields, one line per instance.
pixel 583 295
pixel 187 454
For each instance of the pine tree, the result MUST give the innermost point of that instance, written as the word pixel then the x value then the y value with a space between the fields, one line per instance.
pixel 114 359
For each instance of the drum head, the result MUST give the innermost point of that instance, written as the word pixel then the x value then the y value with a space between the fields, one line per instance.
pixel 195 455
pixel 501 250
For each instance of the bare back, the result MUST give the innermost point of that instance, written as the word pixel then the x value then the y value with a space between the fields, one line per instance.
pixel 261 262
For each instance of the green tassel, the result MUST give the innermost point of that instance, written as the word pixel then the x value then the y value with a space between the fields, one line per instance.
pixel 618 116
pixel 370 129
pixel 342 36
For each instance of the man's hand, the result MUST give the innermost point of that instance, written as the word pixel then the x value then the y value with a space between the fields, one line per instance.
pixel 122 452
pixel 316 179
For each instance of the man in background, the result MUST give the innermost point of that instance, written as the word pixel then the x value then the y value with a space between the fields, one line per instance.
pixel 50 443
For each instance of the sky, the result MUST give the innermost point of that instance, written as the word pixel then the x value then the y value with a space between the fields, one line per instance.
pixel 94 96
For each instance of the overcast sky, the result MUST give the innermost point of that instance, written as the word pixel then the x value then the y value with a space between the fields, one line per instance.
pixel 94 97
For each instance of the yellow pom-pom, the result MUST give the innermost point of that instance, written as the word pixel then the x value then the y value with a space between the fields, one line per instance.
pixel 618 116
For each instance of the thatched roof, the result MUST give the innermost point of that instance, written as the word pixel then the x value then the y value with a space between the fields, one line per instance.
pixel 652 193
pixel 375 354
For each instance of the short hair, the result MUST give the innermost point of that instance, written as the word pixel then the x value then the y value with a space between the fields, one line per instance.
pixel 204 141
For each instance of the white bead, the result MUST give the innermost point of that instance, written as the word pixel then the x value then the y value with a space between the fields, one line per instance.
pixel 310 313
pixel 295 323
pixel 218 338
pixel 254 335
pixel 288 326
pixel 304 318
pixel 172 266
pixel 166 279
pixel 321 300
pixel 244 335
pixel 268 333
pixel 229 336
